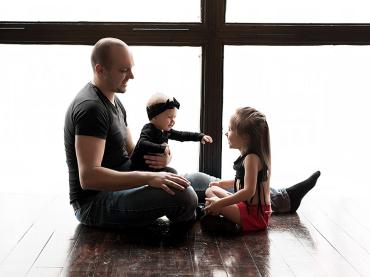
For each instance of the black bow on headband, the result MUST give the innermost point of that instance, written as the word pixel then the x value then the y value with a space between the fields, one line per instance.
pixel 158 108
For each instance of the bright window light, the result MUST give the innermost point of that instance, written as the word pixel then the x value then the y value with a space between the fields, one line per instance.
pixel 96 10
pixel 40 81
pixel 316 102
pixel 291 11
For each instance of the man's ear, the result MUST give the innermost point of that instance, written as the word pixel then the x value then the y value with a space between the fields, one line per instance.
pixel 99 68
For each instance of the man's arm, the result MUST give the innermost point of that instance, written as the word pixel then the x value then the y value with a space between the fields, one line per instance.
pixel 129 142
pixel 90 150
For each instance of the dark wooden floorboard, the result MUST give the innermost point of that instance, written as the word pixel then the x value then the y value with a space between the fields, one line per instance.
pixel 41 237
pixel 283 237
pixel 239 258
pixel 265 255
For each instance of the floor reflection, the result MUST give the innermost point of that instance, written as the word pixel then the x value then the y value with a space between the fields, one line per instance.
pixel 160 250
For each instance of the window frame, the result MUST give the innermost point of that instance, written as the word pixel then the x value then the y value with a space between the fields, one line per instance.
pixel 212 34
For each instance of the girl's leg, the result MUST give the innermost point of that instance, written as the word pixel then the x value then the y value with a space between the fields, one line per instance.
pixel 231 212
pixel 282 200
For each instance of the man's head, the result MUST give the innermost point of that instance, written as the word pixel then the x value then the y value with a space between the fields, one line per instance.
pixel 112 63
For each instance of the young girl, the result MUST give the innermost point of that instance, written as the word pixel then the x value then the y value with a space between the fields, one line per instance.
pixel 249 206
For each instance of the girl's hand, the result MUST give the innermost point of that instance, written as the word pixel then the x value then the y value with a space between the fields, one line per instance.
pixel 206 139
pixel 215 183
pixel 213 207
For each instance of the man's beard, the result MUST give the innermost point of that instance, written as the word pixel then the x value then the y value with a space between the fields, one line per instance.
pixel 119 90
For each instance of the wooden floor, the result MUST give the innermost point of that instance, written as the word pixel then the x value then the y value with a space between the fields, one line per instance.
pixel 39 236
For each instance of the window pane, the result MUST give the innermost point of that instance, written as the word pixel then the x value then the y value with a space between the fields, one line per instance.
pixel 175 71
pixel 38 84
pixel 316 103
pixel 94 10
pixel 290 11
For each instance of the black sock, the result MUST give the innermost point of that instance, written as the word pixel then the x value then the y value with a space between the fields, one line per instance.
pixel 218 224
pixel 298 191
pixel 201 196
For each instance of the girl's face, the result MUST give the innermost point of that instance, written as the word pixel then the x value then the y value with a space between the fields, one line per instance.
pixel 165 121
pixel 236 141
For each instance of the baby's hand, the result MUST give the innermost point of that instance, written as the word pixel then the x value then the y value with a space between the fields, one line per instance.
pixel 206 139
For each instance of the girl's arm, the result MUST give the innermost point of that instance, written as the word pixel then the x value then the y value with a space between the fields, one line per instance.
pixel 251 166
pixel 223 184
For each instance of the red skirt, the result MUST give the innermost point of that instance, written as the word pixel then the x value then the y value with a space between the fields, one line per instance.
pixel 252 219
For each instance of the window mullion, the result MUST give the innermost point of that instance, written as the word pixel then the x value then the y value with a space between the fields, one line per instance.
pixel 213 16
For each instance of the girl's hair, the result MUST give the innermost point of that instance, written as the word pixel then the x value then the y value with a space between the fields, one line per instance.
pixel 251 124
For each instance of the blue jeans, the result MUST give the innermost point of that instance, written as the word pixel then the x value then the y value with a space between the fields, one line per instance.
pixel 143 205
pixel 137 207
pixel 280 202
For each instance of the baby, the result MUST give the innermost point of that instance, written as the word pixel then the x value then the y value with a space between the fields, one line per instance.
pixel 154 136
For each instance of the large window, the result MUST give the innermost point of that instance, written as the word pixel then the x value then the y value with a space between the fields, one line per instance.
pixel 315 100
pixel 157 70
pixel 213 55
pixel 96 10
pixel 40 81
pixel 304 11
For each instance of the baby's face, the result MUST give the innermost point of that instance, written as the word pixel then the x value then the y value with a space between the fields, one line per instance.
pixel 165 121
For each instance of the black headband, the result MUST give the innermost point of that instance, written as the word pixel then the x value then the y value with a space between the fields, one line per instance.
pixel 158 108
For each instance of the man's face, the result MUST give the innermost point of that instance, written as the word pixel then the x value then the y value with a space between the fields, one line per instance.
pixel 117 76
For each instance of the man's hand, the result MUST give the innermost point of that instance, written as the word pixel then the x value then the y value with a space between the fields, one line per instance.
pixel 158 161
pixel 206 139
pixel 166 181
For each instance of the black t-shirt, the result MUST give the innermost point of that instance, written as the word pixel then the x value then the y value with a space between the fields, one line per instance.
pixel 92 114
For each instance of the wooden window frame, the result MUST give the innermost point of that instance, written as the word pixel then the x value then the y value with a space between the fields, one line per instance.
pixel 212 34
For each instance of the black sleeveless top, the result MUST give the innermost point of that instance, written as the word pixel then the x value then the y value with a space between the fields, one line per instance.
pixel 239 175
